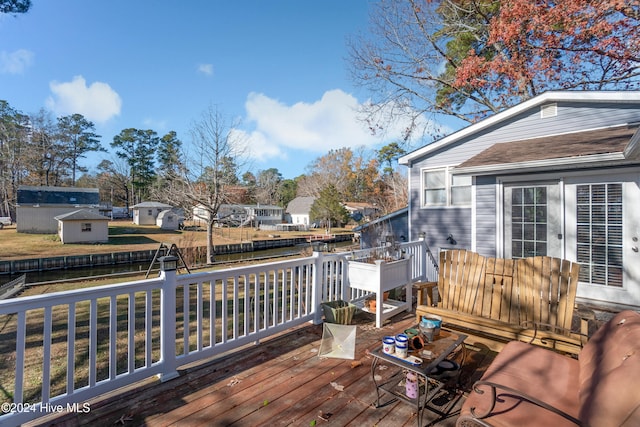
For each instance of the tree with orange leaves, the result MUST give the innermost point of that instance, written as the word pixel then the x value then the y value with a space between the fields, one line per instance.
pixel 545 44
pixel 473 58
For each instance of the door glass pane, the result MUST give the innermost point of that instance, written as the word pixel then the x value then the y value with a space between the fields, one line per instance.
pixel 528 221
pixel 599 237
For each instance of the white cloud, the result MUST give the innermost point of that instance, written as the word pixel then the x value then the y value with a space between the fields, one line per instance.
pixel 206 69
pixel 328 123
pixel 15 62
pixel 98 102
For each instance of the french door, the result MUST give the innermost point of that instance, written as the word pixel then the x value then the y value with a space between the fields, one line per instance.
pixel 603 228
pixel 532 220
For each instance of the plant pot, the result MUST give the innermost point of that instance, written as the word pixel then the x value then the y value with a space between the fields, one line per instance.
pixel 339 311
pixel 370 304
pixel 379 277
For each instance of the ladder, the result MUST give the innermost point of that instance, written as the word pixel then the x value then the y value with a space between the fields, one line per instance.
pixel 163 250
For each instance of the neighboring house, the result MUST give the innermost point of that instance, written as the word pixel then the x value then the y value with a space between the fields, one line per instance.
pixel 83 226
pixel 37 207
pixel 265 214
pixel 146 213
pixel 242 215
pixel 298 209
pixel 393 227
pixel 361 211
pixel 557 175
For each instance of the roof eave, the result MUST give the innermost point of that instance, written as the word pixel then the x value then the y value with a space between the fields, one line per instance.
pixel 553 96
pixel 580 162
pixel 632 150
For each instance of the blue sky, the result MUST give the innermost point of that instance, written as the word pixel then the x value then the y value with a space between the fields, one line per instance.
pixel 278 66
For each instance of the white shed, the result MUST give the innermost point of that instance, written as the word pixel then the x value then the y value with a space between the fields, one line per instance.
pixel 168 220
pixel 146 213
pixel 83 226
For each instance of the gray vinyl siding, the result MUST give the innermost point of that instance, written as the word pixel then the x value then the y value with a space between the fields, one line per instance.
pixel 438 223
pixel 486 216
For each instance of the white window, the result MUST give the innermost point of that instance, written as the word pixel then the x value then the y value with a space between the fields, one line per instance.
pixel 86 226
pixel 599 233
pixel 442 188
pixel 460 190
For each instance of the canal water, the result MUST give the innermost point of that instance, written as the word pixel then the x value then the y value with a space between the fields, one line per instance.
pixel 34 277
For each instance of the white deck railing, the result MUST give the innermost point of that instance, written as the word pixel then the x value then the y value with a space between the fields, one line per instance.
pixel 67 347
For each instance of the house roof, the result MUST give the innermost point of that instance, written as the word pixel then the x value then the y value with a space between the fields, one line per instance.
pixel 151 205
pixel 42 195
pixel 387 217
pixel 600 145
pixel 300 205
pixel 81 215
pixel 547 97
pixel 359 206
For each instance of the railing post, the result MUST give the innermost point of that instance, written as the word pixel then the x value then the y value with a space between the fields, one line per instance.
pixel 316 283
pixel 168 267
pixel 423 259
pixel 345 286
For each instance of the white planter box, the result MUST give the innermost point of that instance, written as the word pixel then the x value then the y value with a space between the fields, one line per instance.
pixel 378 278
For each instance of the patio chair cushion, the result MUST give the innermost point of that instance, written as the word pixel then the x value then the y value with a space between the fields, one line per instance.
pixel 609 373
pixel 536 372
pixel 599 389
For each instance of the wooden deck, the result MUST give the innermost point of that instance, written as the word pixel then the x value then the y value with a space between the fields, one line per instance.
pixel 280 382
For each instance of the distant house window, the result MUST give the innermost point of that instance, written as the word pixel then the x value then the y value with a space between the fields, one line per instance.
pixel 442 188
pixel 150 212
pixel 86 226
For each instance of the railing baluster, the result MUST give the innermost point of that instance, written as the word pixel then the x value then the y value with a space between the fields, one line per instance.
pixel 224 310
pixel 199 315
pixel 148 328
pixel 185 318
pixel 71 346
pixel 236 309
pixel 46 355
pixel 131 333
pixel 93 341
pixel 21 332
pixel 113 337
pixel 212 313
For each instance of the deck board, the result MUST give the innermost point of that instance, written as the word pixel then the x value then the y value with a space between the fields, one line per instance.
pixel 280 382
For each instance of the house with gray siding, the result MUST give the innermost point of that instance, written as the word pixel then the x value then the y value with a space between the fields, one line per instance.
pixel 557 175
pixel 388 228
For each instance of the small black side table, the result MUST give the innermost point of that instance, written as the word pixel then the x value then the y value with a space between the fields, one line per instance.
pixel 441 348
